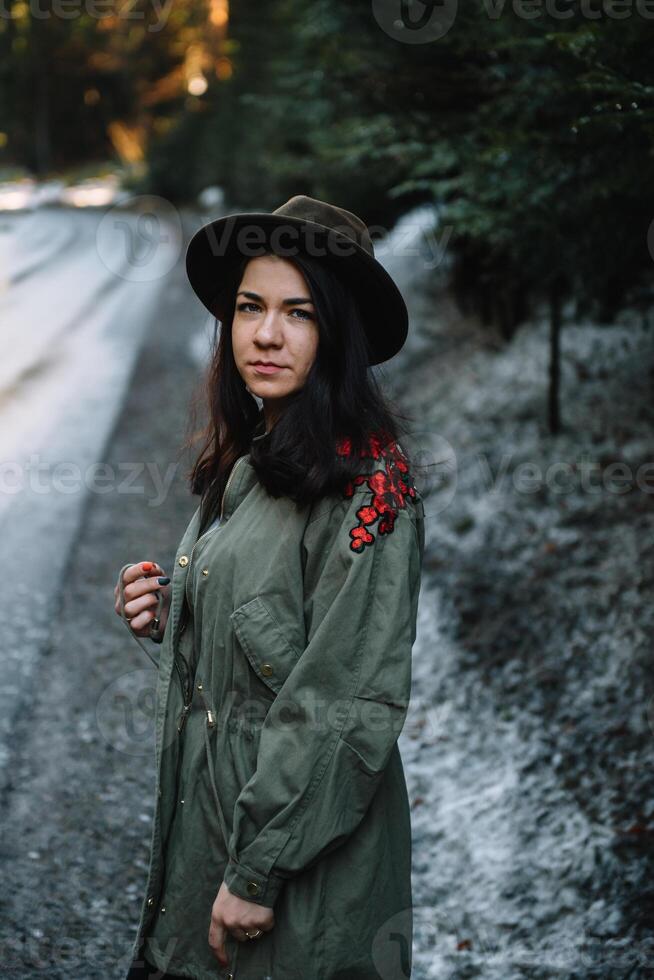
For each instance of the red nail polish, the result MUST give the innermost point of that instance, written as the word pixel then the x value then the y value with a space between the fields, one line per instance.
pixel 147 566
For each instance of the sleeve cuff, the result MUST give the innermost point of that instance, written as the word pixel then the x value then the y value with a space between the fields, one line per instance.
pixel 250 885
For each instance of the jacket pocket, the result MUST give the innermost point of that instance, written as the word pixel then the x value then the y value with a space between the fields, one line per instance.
pixel 269 653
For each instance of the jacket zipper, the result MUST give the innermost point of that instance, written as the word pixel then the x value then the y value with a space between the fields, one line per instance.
pixel 186 690
pixel 183 717
pixel 186 694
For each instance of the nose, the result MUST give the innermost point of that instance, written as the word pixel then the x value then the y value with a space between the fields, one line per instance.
pixel 269 329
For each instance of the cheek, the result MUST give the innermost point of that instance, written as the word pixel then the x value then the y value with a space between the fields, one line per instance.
pixel 240 341
pixel 307 350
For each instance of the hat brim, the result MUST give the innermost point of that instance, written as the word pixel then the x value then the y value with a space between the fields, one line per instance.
pixel 215 249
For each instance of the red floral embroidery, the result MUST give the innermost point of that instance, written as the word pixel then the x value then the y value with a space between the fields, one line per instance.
pixel 389 487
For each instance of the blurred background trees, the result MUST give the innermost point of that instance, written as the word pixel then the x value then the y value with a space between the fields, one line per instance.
pixel 533 134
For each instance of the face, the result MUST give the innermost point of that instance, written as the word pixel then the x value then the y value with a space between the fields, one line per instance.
pixel 275 325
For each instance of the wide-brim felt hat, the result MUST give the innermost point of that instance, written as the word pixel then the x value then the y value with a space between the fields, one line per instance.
pixel 302 225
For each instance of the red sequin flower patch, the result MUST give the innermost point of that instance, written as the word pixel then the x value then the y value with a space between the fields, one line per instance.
pixel 389 488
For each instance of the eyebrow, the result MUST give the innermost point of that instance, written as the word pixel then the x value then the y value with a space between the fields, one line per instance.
pixel 294 301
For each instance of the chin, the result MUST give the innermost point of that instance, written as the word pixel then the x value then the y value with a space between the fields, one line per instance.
pixel 268 389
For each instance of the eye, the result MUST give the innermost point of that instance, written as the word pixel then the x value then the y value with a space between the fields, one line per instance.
pixel 305 314
pixel 242 306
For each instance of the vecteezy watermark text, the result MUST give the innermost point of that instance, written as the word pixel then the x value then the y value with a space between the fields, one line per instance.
pixel 93 9
pixel 41 476
pixel 424 21
pixel 564 476
pixel 288 239
pixel 127 708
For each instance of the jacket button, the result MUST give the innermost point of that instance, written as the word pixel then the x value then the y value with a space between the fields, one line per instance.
pixel 183 561
pixel 266 669
pixel 230 976
pixel 163 908
pixel 199 685
pixel 205 571
pixel 150 901
pixel 252 888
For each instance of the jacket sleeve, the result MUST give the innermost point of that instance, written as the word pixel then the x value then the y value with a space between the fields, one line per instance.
pixel 328 735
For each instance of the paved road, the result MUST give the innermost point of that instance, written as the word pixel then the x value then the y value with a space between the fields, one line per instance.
pixel 76 773
pixel 79 290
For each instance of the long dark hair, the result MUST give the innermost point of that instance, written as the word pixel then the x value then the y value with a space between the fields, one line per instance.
pixel 341 399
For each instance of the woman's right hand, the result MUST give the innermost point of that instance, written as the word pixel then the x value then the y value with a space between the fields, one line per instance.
pixel 140 582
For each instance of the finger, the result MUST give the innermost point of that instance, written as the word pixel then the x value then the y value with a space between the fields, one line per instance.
pixel 140 569
pixel 217 934
pixel 140 622
pixel 143 603
pixel 240 934
pixel 132 572
pixel 144 586
pixel 143 620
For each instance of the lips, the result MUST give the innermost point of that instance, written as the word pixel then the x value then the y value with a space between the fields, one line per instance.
pixel 269 367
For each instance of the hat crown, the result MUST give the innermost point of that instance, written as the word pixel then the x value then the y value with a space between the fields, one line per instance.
pixel 330 217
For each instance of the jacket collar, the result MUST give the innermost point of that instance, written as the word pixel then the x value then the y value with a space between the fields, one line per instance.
pixel 260 428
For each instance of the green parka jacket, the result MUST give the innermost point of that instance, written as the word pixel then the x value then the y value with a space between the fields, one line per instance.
pixel 278 709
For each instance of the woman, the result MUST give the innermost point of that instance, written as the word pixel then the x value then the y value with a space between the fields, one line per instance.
pixel 281 843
